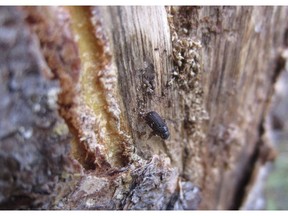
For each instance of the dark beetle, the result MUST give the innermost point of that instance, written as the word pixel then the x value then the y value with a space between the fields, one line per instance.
pixel 157 124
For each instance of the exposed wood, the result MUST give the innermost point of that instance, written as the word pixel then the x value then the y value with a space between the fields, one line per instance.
pixel 241 51
pixel 208 71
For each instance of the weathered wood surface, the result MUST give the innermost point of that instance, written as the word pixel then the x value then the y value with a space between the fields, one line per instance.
pixel 208 71
pixel 242 47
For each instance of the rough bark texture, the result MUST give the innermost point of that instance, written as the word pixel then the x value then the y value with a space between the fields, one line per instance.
pixel 35 140
pixel 208 71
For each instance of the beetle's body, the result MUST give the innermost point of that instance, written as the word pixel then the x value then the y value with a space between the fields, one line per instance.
pixel 157 124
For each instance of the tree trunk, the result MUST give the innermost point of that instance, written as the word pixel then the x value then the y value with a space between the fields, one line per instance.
pixel 209 72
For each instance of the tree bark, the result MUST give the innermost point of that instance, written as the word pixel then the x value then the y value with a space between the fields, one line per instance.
pixel 208 71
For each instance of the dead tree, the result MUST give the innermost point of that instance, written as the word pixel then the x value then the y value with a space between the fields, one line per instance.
pixel 77 82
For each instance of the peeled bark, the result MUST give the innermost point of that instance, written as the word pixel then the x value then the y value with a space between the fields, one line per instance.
pixel 208 71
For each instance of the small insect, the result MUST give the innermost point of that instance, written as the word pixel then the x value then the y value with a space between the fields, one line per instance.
pixel 157 124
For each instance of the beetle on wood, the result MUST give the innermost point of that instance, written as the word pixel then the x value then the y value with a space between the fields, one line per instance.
pixel 157 124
